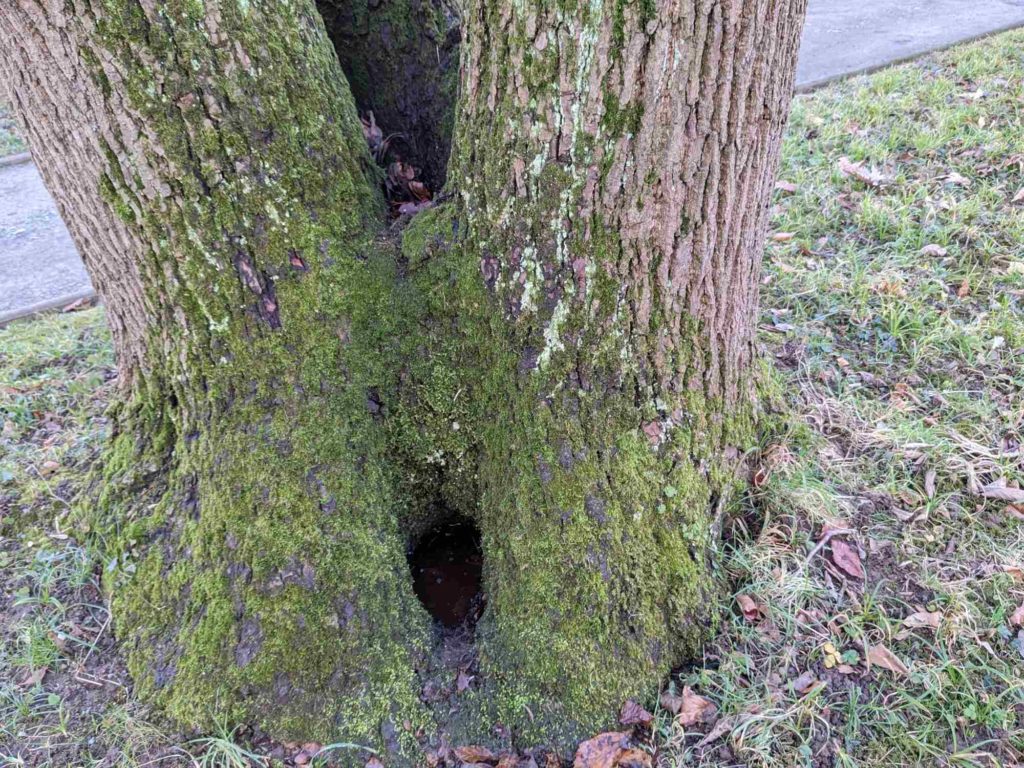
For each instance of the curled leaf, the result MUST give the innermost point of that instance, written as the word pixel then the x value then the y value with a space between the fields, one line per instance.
pixel 880 656
pixel 633 714
pixel 751 610
pixel 693 708
pixel 602 751
pixel 923 619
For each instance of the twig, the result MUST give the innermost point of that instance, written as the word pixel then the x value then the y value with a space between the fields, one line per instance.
pixel 825 540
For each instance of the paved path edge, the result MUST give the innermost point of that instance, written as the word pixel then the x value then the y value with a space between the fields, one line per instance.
pixel 44 306
pixel 813 85
pixel 17 159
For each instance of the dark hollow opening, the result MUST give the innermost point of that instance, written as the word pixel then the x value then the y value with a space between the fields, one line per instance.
pixel 447 571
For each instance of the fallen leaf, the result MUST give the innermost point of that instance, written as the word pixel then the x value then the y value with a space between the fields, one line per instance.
pixel 932 249
pixel 956 178
pixel 788 186
pixel 633 714
pixel 845 669
pixel 722 727
pixel 634 758
pixel 859 172
pixel 880 656
pixel 1015 571
pixel 923 619
pixel 462 681
pixel 693 708
pixel 75 306
pixel 751 610
pixel 964 290
pixel 602 751
pixel 929 483
pixel 34 678
pixel 1019 197
pixel 846 557
pixel 374 762
pixel 783 237
pixel 475 754
pixel 1017 618
pixel 999 490
pixel 49 467
pixel 805 682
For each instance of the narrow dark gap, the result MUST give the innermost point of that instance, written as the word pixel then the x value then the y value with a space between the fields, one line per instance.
pixel 401 59
pixel 447 573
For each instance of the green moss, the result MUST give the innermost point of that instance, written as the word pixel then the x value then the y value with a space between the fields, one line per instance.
pixel 317 395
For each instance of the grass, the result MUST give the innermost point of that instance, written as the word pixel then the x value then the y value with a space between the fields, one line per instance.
pixel 10 140
pixel 892 313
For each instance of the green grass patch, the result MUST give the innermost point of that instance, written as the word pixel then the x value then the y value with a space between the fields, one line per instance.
pixel 894 314
pixel 10 139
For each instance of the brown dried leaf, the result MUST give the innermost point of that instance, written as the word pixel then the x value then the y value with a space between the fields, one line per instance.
pixel 722 727
pixel 693 708
pixel 923 619
pixel 77 305
pixel 790 187
pixel 419 190
pixel 1017 618
pixel 475 754
pixel 633 714
pixel 34 678
pixel 374 762
pixel 462 681
pixel 859 172
pixel 929 483
pixel 751 610
pixel 783 237
pixel 634 758
pixel 602 751
pixel 999 490
pixel 1019 197
pixel 881 656
pixel 846 557
pixel 933 249
pixel 805 682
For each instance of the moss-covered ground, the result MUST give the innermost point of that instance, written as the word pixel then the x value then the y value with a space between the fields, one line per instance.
pixel 893 321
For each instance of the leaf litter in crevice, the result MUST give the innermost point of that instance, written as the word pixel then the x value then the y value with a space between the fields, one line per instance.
pixel 689 708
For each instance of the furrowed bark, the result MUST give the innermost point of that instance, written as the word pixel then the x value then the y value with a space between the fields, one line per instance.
pixel 560 353
pixel 614 163
pixel 214 172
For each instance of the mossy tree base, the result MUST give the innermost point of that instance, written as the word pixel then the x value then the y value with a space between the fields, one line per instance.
pixel 560 353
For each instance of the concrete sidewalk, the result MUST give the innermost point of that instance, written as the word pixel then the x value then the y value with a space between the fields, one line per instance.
pixel 845 37
pixel 39 266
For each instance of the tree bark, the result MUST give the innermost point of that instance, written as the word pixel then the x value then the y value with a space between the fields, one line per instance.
pixel 561 353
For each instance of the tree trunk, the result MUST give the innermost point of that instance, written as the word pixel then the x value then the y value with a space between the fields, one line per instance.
pixel 559 354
